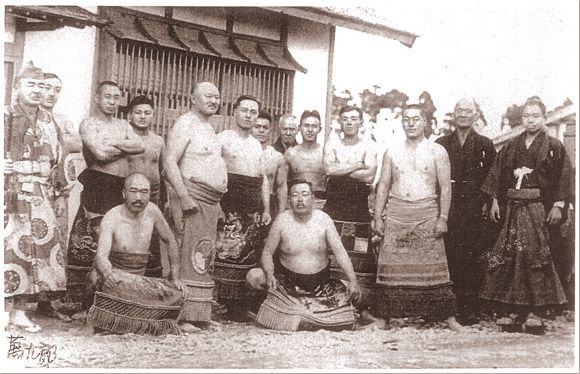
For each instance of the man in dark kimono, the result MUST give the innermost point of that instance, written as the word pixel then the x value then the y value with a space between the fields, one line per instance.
pixel 288 131
pixel 532 176
pixel 470 155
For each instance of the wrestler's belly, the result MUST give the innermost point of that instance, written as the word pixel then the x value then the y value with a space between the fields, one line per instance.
pixel 412 189
pixel 304 264
pixel 211 171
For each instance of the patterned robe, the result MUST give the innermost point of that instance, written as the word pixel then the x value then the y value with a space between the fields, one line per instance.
pixel 33 256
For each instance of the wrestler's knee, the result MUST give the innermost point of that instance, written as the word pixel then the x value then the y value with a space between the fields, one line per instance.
pixel 256 279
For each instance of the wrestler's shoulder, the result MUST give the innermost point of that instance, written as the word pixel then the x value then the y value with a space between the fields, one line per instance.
pixel 321 216
pixel 152 209
pixel 113 212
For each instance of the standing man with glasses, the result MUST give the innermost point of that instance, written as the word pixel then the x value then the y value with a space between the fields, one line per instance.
pixel 246 206
pixel 412 273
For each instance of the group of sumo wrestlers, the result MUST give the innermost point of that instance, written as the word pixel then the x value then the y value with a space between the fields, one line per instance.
pixel 295 236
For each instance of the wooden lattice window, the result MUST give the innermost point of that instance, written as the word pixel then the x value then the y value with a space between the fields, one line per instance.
pixel 167 77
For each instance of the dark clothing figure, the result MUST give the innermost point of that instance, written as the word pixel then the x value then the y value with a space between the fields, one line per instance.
pixel 281 147
pixel 468 234
pixel 520 268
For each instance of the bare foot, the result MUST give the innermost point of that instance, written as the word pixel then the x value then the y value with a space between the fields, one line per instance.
pixel 187 327
pixel 80 316
pixel 366 317
pixel 454 325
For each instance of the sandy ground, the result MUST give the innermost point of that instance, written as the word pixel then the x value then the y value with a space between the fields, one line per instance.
pixel 234 345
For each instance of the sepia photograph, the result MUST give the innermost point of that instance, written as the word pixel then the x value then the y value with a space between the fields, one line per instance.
pixel 274 186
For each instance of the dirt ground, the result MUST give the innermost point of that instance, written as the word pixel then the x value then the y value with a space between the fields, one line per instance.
pixel 235 345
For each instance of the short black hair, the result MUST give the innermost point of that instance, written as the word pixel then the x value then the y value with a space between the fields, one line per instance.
pixel 265 115
pixel 294 182
pixel 535 100
pixel 52 75
pixel 348 108
pixel 140 100
pixel 247 97
pixel 418 107
pixel 106 83
pixel 310 113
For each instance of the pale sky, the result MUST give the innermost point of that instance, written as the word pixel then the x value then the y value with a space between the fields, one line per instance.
pixel 497 52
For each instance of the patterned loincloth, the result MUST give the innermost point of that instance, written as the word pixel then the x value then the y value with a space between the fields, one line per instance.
pixel 138 304
pixel 240 236
pixel 101 192
pixel 306 302
pixel 197 250
pixel 347 205
pixel 412 273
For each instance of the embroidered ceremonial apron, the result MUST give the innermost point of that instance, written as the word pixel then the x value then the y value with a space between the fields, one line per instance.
pixel 137 304
pixel 412 273
pixel 197 250
pixel 240 237
pixel 101 192
pixel 347 205
pixel 306 302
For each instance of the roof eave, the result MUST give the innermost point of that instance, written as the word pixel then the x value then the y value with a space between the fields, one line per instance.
pixel 320 15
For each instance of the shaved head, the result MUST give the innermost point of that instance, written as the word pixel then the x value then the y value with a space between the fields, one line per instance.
pixel 205 98
pixel 201 86
pixel 137 178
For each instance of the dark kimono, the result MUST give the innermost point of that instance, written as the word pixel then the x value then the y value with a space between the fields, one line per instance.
pixel 520 267
pixel 468 233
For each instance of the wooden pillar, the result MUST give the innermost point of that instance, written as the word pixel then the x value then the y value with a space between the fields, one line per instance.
pixel 329 90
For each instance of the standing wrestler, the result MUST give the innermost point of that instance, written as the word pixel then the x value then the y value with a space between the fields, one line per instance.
pixel 412 273
pixel 273 163
pixel 107 141
pixel 141 112
pixel 246 207
pixel 470 157
pixel 198 175
pixel 306 160
pixel 350 164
